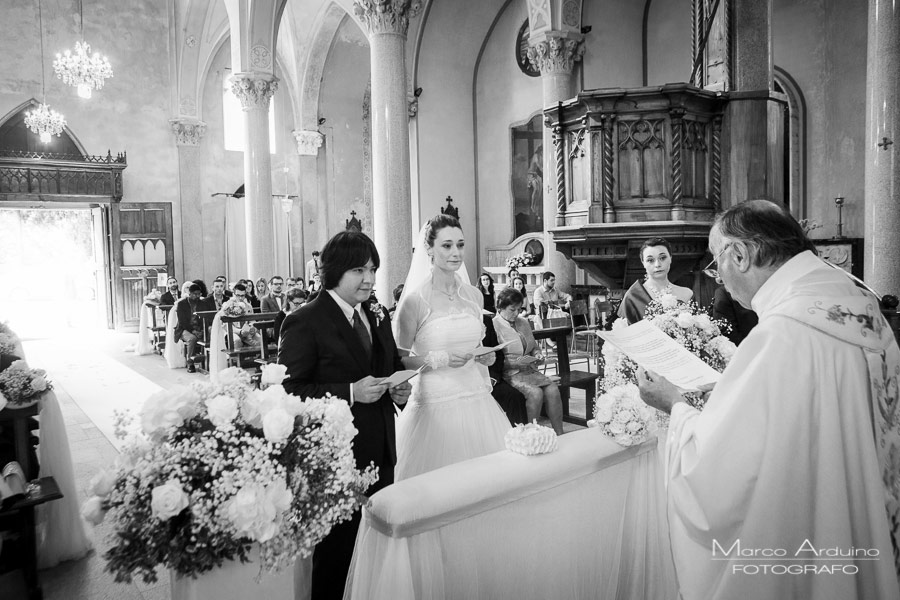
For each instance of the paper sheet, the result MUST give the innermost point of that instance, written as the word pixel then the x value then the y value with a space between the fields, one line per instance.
pixel 399 377
pixel 483 350
pixel 652 349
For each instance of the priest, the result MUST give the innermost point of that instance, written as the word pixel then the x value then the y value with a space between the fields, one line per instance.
pixel 777 488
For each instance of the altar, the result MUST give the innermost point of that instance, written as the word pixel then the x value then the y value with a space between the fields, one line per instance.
pixel 586 521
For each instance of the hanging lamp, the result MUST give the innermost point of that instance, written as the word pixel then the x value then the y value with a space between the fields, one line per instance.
pixel 82 69
pixel 42 120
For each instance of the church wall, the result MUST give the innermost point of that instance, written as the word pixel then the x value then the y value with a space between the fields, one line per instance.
pixel 669 57
pixel 613 48
pixel 132 110
pixel 344 82
pixel 832 77
pixel 445 140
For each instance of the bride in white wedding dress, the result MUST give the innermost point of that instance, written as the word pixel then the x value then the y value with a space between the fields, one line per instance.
pixel 451 415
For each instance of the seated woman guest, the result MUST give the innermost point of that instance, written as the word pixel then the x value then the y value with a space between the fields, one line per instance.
pixel 250 293
pixel 262 287
pixel 486 286
pixel 520 358
pixel 518 284
pixel 656 256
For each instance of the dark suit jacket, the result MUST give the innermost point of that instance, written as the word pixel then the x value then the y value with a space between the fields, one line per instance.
pixel 184 312
pixel 268 303
pixel 741 319
pixel 323 354
pixel 167 299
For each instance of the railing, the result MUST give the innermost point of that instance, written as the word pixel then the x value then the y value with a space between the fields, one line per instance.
pixel 61 174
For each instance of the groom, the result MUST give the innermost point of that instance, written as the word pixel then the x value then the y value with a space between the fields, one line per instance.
pixel 336 344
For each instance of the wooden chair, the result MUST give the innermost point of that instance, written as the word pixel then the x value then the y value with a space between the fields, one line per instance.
pixel 583 331
pixel 158 326
pixel 206 319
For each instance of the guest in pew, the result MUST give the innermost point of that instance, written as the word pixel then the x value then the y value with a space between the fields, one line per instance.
pixel 486 286
pixel 189 328
pixel 521 358
pixel 274 301
pixel 518 284
pixel 295 299
pixel 204 291
pixel 219 296
pixel 262 288
pixel 172 293
pixel 251 293
pixel 511 400
pixel 398 291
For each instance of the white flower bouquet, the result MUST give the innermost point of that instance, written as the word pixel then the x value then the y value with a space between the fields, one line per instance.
pixel 531 439
pixel 153 297
pixel 236 307
pixel 8 339
pixel 623 416
pixel 218 467
pixel 21 385
pixel 686 323
pixel 517 261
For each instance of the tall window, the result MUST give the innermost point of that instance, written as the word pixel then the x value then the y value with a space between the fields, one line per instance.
pixel 794 143
pixel 234 116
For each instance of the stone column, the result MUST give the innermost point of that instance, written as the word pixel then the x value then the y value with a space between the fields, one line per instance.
pixel 753 127
pixel 554 54
pixel 255 89
pixel 188 133
pixel 308 144
pixel 387 23
pixel 882 230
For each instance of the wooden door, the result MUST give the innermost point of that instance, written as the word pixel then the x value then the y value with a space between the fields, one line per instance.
pixel 141 249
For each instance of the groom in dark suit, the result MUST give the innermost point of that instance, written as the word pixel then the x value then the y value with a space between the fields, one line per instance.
pixel 336 344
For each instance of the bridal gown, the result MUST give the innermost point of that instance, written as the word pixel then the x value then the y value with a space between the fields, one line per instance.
pixel 451 415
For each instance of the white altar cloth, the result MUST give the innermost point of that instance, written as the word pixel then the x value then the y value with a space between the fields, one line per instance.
pixel 586 521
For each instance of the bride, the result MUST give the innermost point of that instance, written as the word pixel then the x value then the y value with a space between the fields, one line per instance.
pixel 451 415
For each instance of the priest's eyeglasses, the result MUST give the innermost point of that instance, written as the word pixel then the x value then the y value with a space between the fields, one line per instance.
pixel 709 271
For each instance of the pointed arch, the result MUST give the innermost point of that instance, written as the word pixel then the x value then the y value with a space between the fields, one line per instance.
pixel 795 142
pixel 12 126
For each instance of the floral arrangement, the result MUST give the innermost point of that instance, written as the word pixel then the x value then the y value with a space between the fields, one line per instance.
pixel 377 310
pixel 218 467
pixel 517 261
pixel 8 339
pixel 236 307
pixel 623 416
pixel 686 323
pixel 531 439
pixel 153 297
pixel 21 385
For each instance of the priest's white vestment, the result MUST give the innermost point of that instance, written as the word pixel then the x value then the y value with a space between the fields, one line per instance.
pixel 780 469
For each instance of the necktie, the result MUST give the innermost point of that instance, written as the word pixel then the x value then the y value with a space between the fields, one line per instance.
pixel 362 332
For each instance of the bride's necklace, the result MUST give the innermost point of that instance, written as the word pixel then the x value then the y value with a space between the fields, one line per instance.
pixel 657 293
pixel 451 296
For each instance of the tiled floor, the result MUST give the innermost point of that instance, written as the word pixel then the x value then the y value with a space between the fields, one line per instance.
pixel 92 376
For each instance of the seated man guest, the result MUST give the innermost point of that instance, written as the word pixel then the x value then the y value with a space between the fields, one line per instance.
pixel 520 358
pixel 547 296
pixel 295 299
pixel 189 327
pixel 274 301
pixel 219 296
pixel 172 294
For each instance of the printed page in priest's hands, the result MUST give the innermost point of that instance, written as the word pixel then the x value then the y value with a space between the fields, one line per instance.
pixel 648 346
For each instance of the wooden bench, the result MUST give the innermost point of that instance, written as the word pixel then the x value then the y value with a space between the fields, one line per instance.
pixel 158 325
pixel 567 378
pixel 258 320
pixel 19 517
pixel 206 319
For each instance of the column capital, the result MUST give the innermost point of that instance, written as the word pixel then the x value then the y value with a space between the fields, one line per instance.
pixel 254 88
pixel 555 52
pixel 386 16
pixel 308 142
pixel 188 130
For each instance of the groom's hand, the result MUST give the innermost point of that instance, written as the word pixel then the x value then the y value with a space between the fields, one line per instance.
pixel 368 390
pixel 400 393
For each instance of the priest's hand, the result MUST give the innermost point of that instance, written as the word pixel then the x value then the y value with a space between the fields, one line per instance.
pixel 400 393
pixel 657 391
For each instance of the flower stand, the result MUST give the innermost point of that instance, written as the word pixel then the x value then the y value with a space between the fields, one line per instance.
pixel 237 581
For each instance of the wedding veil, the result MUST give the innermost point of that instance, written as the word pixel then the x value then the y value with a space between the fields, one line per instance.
pixel 420 269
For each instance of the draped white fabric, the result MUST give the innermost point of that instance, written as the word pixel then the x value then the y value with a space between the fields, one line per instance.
pixel 174 351
pixel 217 358
pixel 586 521
pixel 61 532
pixel 143 345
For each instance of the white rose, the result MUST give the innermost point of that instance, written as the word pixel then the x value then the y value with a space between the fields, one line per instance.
pixel 278 494
pixel 703 322
pixel 668 301
pixel 39 383
pixel 277 425
pixel 254 513
pixel 273 374
pixel 616 428
pixel 293 405
pixel 604 414
pixel 684 320
pixel 222 410
pixel 229 376
pixel 634 427
pixel 168 500
pixel 92 510
pixel 168 408
pixel 726 348
pixel 102 483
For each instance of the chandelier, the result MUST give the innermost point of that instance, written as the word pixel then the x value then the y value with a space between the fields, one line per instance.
pixel 45 122
pixel 82 69
pixel 42 120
